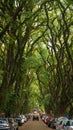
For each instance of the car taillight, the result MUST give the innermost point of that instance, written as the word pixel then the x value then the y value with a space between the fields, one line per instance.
pixel 7 125
pixel 63 127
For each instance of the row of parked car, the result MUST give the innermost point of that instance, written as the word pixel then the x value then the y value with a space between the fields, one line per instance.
pixel 61 123
pixel 10 123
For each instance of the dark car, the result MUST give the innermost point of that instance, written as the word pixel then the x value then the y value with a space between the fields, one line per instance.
pixel 52 123
pixel 19 121
pixel 28 116
pixel 35 116
pixel 47 119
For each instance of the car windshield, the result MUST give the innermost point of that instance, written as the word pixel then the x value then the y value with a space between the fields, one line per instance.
pixel 2 121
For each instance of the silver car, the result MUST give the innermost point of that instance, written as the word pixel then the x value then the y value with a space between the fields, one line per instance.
pixel 69 125
pixel 4 124
pixel 61 124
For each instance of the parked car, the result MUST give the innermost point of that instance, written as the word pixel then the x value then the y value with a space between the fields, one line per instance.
pixel 48 119
pixel 35 116
pixel 19 121
pixel 52 123
pixel 4 124
pixel 8 124
pixel 28 116
pixel 44 117
pixel 13 123
pixel 24 118
pixel 61 124
pixel 69 125
pixel 59 120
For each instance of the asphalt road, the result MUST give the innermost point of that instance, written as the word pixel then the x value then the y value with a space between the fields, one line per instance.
pixel 34 125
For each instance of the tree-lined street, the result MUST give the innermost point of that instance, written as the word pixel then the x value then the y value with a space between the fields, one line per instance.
pixel 36 57
pixel 34 125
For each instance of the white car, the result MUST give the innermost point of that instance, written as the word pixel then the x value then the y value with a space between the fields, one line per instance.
pixel 23 118
pixel 35 116
pixel 61 121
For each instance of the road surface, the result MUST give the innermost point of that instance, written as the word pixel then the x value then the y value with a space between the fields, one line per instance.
pixel 34 125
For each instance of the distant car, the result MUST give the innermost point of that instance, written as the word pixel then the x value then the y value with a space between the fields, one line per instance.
pixel 13 123
pixel 44 117
pixel 19 121
pixel 35 116
pixel 28 116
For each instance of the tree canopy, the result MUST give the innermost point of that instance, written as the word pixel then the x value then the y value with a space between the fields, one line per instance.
pixel 36 55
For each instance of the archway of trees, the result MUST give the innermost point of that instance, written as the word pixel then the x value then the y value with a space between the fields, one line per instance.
pixel 36 55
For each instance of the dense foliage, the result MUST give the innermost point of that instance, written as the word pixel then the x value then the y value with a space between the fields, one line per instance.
pixel 36 49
